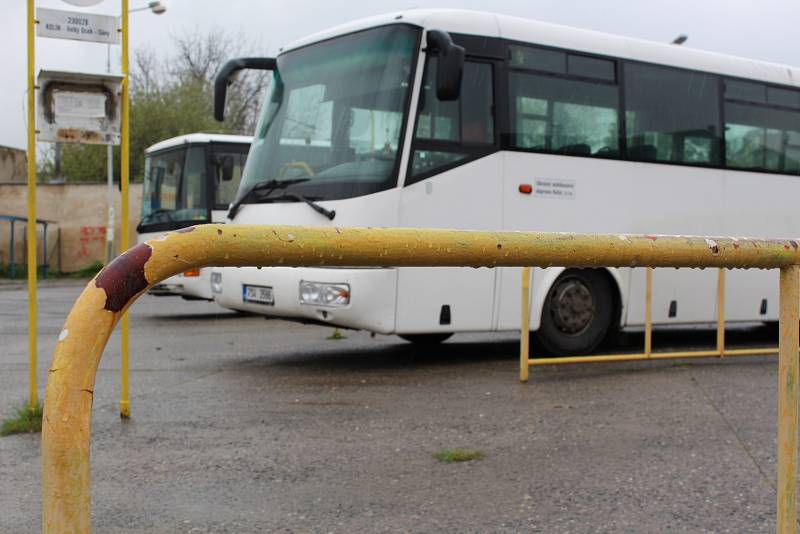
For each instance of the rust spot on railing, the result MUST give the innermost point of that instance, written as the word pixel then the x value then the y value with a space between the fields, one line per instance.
pixel 124 277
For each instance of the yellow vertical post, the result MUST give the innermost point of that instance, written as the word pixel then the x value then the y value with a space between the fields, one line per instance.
pixel 525 326
pixel 124 402
pixel 721 312
pixel 787 400
pixel 648 312
pixel 33 397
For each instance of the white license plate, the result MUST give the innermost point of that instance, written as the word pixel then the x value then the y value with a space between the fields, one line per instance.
pixel 258 295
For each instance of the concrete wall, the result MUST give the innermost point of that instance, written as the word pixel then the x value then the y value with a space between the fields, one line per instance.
pixel 13 165
pixel 81 212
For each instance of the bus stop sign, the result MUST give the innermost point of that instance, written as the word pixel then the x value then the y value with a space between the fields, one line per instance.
pixel 78 108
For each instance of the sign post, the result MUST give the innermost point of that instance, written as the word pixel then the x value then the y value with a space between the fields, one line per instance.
pixel 76 108
pixel 124 233
pixel 33 397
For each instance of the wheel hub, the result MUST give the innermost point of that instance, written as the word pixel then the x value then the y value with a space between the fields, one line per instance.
pixel 572 306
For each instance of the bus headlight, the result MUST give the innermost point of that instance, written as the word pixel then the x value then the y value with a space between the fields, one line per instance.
pixel 319 294
pixel 216 282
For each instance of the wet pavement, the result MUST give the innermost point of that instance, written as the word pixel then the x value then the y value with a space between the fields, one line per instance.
pixel 242 424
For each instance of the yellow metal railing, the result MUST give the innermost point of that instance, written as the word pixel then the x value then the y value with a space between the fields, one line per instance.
pixel 526 360
pixel 66 431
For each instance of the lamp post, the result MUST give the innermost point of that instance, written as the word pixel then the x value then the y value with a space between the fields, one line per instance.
pixel 157 8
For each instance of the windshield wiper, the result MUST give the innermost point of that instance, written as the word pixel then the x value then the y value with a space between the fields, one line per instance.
pixel 161 211
pixel 330 214
pixel 267 186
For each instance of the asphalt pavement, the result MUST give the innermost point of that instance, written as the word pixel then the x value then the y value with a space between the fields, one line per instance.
pixel 242 424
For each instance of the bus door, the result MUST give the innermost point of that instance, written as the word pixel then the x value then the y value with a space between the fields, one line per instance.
pixel 453 181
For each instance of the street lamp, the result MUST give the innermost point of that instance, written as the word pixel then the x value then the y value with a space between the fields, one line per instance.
pixel 157 8
pixel 679 40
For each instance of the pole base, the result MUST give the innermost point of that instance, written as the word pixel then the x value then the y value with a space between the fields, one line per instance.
pixel 124 409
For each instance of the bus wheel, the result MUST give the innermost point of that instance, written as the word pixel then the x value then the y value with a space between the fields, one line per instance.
pixel 425 339
pixel 577 313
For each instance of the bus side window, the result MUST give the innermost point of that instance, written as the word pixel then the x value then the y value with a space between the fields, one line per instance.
pixel 569 105
pixel 672 115
pixel 564 116
pixel 436 120
pixel 449 132
pixel 762 127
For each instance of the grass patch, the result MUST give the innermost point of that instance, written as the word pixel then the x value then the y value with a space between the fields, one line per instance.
pixel 337 334
pixel 458 455
pixel 21 272
pixel 87 272
pixel 25 421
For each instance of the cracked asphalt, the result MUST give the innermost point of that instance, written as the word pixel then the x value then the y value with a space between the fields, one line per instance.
pixel 242 424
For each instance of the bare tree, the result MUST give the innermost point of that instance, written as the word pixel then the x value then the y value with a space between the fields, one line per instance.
pixel 147 73
pixel 196 60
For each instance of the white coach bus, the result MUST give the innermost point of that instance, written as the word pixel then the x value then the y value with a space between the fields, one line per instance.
pixel 456 119
pixel 189 179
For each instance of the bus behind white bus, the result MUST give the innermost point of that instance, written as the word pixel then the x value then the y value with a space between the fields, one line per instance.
pixel 466 120
pixel 189 179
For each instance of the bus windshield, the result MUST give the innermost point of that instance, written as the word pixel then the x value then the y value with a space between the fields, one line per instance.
pixel 174 189
pixel 335 115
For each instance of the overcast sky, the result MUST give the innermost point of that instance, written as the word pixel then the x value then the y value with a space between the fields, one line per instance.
pixel 764 30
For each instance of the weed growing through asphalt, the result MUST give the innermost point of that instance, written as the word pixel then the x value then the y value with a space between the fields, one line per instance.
pixel 26 421
pixel 458 455
pixel 337 334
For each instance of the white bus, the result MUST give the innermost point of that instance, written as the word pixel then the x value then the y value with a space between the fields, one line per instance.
pixel 189 179
pixel 549 128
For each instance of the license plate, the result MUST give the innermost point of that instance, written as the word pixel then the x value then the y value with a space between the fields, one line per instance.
pixel 258 295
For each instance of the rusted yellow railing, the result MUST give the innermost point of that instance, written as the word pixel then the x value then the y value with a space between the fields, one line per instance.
pixel 68 401
pixel 526 360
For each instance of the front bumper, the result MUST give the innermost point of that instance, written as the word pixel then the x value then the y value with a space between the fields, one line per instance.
pixel 171 287
pixel 372 295
pixel 190 287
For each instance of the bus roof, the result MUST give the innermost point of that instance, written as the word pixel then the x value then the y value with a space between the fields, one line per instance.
pixel 555 35
pixel 198 138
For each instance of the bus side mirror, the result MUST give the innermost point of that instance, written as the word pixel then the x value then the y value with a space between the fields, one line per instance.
pixel 450 64
pixel 226 167
pixel 225 78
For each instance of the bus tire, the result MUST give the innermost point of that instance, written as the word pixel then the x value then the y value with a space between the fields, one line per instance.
pixel 577 314
pixel 425 339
